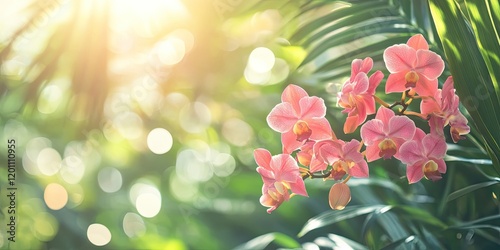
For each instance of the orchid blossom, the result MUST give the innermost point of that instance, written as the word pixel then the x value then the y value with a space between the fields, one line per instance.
pixel 280 173
pixel 298 118
pixel 344 157
pixel 357 93
pixel 443 108
pixel 384 135
pixel 423 156
pixel 413 66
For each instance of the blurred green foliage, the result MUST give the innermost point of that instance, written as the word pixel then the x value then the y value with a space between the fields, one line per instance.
pixel 83 84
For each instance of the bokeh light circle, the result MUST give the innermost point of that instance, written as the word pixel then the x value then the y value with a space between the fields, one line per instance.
pixel 109 179
pixel 159 141
pixel 261 60
pixel 55 196
pixel 49 161
pixel 98 234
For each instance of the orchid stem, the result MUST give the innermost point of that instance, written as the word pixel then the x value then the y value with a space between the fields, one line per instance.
pixel 346 179
pixel 381 102
pixel 315 176
pixel 415 114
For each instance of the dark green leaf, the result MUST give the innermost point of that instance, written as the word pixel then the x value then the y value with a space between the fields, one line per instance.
pixel 470 73
pixel 264 240
pixel 464 191
pixel 331 217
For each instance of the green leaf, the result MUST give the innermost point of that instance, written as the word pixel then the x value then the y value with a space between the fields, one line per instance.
pixel 343 242
pixel 331 217
pixel 464 191
pixel 473 161
pixel 367 29
pixel 360 13
pixel 263 241
pixel 396 244
pixel 470 73
pixel 368 50
pixel 417 214
pixel 487 38
pixel 474 222
pixel 336 14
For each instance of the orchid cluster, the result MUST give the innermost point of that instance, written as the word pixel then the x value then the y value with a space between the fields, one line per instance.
pixel 312 150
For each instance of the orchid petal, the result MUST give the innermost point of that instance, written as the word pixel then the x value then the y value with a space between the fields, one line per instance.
pixel 396 82
pixel 429 64
pixel 418 42
pixel 299 187
pixel 317 165
pixel 372 152
pixel 368 103
pixel 290 143
pixel 401 127
pixel 419 135
pixel 372 131
pixel 351 123
pixel 267 175
pixel 400 58
pixel 441 165
pixel 384 114
pixel 292 94
pixel 285 168
pixel 312 107
pixel 434 146
pixel 361 83
pixel 410 153
pixel 321 129
pixel 426 87
pixel 359 170
pixel 262 158
pixel 281 118
pixel 374 81
pixel 431 105
pixel 351 151
pixel 414 172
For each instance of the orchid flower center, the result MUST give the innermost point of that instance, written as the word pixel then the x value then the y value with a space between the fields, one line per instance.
pixel 302 130
pixel 431 172
pixel 339 169
pixel 411 79
pixel 455 134
pixel 387 148
pixel 280 187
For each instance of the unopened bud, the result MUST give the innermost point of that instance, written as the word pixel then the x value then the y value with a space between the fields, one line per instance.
pixel 339 196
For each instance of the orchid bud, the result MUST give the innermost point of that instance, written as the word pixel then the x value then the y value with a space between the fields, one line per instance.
pixel 339 196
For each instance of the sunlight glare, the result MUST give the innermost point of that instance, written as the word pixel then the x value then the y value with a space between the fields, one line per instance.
pixel 170 51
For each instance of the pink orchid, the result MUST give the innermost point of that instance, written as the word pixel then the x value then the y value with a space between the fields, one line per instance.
pixel 423 156
pixel 299 117
pixel 344 157
pixel 384 135
pixel 272 197
pixel 443 108
pixel 357 93
pixel 280 173
pixel 413 65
